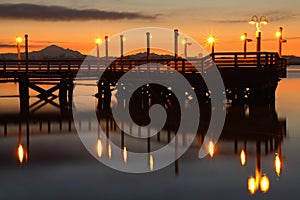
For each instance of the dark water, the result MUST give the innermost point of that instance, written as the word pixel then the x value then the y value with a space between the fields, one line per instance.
pixel 60 167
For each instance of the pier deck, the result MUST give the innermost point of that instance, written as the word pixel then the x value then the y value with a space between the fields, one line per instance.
pixel 248 77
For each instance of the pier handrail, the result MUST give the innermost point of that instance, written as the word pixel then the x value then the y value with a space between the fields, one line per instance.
pixel 221 59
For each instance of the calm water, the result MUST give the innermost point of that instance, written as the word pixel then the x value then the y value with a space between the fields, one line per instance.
pixel 60 167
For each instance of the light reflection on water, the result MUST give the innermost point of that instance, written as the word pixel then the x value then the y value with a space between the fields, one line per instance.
pixel 234 170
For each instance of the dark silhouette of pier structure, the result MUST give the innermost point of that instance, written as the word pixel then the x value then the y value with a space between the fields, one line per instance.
pixel 249 78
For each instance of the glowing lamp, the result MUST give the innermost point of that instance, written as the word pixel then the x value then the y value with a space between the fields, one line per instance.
pixel 278 34
pixel 252 22
pixel 211 40
pixel 243 37
pixel 98 41
pixel 19 39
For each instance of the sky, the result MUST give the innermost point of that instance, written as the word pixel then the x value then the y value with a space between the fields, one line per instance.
pixel 75 24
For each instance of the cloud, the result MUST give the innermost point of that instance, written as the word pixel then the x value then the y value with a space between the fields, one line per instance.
pixel 233 21
pixel 60 13
pixel 272 16
pixel 293 38
pixel 8 45
pixel 275 16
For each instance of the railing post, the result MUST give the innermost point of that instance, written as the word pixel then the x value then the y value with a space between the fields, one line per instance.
pixel 271 59
pixel 202 66
pixel 48 66
pixel 122 68
pixel 69 66
pixel 183 66
pixel 4 66
pixel 258 59
pixel 235 60
pixel 116 66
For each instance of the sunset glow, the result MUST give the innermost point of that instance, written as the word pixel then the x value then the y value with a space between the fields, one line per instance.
pixel 216 17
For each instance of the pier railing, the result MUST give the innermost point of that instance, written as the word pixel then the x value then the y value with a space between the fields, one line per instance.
pixel 54 68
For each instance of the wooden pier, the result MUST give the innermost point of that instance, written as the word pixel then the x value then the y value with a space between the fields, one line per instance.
pixel 249 78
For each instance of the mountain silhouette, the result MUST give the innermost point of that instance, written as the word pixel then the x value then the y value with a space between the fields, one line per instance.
pixel 51 52
pixel 55 52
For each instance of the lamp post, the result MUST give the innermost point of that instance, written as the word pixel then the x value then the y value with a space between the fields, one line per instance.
pixel 245 40
pixel 211 40
pixel 19 41
pixel 185 43
pixel 148 45
pixel 122 40
pixel 258 22
pixel 176 34
pixel 98 43
pixel 280 40
pixel 106 50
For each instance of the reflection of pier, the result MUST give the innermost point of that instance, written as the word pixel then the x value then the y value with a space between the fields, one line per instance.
pixel 244 127
pixel 254 124
pixel 248 77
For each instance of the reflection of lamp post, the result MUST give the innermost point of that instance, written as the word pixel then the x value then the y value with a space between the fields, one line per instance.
pixel 280 40
pixel 277 161
pixel 243 157
pixel 99 148
pixel 185 43
pixel 20 149
pixel 245 41
pixel 211 149
pixel 98 43
pixel 258 23
pixel 259 181
pixel 211 40
pixel 125 154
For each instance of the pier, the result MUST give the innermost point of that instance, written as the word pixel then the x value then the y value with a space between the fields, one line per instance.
pixel 249 78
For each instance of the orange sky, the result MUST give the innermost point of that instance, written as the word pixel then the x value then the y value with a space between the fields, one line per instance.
pixel 227 20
